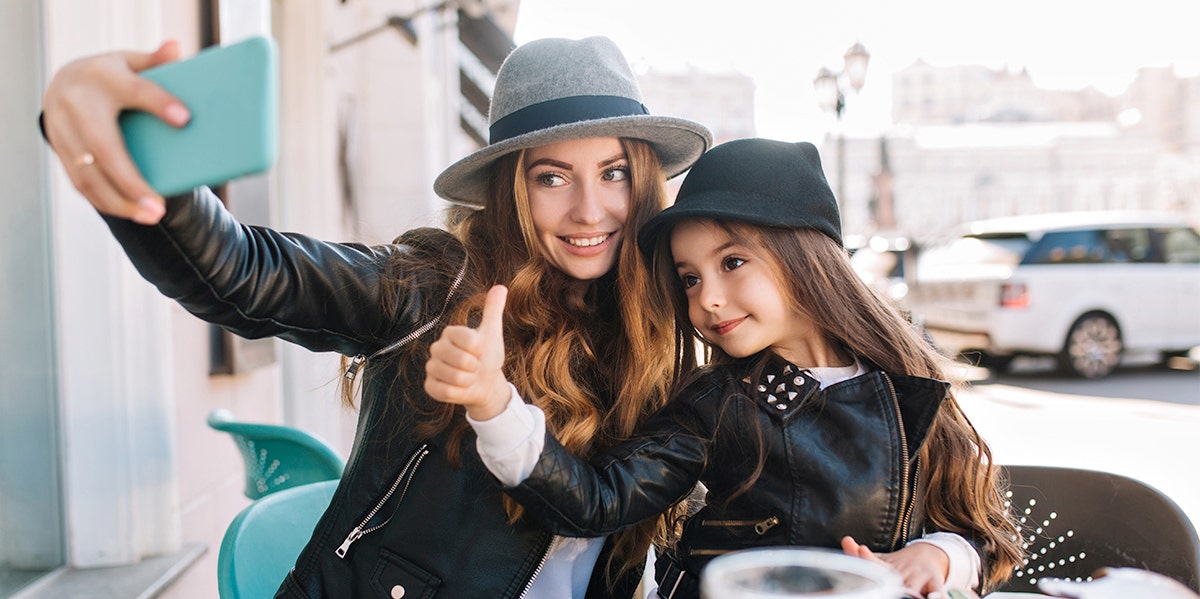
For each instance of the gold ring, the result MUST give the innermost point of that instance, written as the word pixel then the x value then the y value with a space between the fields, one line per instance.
pixel 85 159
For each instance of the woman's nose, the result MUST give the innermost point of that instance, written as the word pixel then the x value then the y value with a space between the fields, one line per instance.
pixel 588 207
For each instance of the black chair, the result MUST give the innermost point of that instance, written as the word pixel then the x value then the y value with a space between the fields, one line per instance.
pixel 1078 521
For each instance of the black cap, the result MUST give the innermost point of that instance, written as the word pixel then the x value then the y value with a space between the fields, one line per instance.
pixel 759 181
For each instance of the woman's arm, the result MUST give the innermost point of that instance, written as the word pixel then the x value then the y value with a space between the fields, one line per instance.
pixel 258 282
pixel 253 281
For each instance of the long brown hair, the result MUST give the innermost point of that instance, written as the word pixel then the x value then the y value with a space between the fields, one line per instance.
pixel 814 272
pixel 595 356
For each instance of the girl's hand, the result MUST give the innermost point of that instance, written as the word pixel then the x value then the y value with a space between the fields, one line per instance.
pixel 466 365
pixel 80 109
pixel 922 566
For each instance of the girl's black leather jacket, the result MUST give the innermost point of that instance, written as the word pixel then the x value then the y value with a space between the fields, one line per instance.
pixel 402 515
pixel 836 461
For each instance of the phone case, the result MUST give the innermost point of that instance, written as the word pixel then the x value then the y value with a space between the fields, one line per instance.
pixel 232 93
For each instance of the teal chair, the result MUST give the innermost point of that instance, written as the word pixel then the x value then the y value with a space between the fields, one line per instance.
pixel 262 543
pixel 278 457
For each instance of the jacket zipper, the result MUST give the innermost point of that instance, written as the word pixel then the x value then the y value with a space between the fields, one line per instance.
pixel 538 569
pixel 760 526
pixel 357 361
pixel 906 494
pixel 406 476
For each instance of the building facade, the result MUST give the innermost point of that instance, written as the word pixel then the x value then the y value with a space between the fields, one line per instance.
pixel 971 142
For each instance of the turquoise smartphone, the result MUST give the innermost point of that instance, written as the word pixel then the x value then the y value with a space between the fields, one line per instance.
pixel 233 94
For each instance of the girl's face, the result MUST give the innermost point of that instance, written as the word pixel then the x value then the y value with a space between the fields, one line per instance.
pixel 579 196
pixel 734 298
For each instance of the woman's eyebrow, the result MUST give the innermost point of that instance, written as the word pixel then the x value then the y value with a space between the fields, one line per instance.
pixel 611 159
pixel 549 162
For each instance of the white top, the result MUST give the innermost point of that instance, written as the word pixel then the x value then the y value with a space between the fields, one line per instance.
pixel 511 443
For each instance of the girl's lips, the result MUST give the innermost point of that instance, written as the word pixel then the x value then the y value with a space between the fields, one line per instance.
pixel 725 326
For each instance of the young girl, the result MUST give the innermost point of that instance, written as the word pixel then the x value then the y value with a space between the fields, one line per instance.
pixel 821 420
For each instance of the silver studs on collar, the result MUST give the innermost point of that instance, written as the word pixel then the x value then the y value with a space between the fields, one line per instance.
pixel 781 389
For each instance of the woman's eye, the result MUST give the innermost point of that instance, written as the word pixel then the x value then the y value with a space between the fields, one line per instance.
pixel 689 281
pixel 550 179
pixel 617 173
pixel 732 263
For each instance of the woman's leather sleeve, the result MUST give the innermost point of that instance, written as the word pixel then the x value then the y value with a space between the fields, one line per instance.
pixel 258 282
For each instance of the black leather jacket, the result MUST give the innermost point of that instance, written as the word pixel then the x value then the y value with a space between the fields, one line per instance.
pixel 838 461
pixel 401 515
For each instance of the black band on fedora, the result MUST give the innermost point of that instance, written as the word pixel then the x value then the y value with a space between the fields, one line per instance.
pixel 561 111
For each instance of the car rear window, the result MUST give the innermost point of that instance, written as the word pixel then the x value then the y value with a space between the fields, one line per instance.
pixel 998 249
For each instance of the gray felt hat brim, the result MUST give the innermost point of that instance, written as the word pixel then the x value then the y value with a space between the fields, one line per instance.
pixel 540 78
pixel 678 142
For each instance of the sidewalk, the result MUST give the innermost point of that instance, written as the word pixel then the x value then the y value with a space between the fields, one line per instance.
pixel 1155 442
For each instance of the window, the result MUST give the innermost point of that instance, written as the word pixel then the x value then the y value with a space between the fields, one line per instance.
pixel 1179 246
pixel 1068 247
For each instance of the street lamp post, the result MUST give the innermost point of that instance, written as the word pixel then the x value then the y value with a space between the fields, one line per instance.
pixel 831 88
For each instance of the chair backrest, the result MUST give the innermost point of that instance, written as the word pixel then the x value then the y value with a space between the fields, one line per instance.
pixel 262 543
pixel 278 457
pixel 1078 521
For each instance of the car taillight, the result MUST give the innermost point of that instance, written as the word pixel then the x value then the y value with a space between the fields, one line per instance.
pixel 1014 295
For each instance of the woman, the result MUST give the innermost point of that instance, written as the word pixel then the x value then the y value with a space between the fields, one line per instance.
pixel 574 167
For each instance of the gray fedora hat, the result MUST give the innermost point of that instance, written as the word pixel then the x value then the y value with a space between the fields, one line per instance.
pixel 552 90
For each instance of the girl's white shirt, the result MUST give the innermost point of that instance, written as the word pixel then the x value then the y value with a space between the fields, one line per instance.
pixel 510 444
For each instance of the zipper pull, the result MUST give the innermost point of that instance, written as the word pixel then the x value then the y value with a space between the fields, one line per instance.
pixel 355 363
pixel 762 527
pixel 354 535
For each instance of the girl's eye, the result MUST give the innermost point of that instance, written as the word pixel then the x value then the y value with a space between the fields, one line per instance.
pixel 616 173
pixel 550 179
pixel 732 263
pixel 689 281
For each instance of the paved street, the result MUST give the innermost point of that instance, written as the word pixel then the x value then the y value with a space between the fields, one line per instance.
pixel 1142 423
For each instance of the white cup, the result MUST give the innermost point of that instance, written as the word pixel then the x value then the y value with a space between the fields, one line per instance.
pixel 777 572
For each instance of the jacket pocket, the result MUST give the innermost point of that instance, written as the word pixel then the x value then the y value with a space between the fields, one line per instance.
pixel 705 538
pixel 397 578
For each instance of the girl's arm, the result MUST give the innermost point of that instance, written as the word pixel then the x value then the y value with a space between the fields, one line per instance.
pixel 629 483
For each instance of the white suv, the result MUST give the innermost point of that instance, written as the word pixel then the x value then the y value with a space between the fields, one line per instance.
pixel 1086 287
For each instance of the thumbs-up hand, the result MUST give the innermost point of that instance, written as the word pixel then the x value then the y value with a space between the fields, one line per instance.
pixel 466 365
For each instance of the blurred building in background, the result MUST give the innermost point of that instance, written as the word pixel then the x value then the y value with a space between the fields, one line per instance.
pixel 971 142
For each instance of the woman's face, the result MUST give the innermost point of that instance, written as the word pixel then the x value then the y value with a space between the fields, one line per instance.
pixel 579 196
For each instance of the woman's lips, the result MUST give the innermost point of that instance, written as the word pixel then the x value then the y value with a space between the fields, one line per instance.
pixel 587 245
pixel 728 325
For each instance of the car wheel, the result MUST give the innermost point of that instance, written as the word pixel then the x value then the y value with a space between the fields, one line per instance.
pixel 1093 347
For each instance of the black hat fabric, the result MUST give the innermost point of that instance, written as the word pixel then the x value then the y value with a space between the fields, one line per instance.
pixel 760 181
pixel 554 89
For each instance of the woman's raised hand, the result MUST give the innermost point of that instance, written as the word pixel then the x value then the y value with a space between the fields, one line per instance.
pixel 80 109
pixel 466 365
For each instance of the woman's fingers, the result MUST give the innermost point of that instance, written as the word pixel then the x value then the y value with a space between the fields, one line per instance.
pixel 81 108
